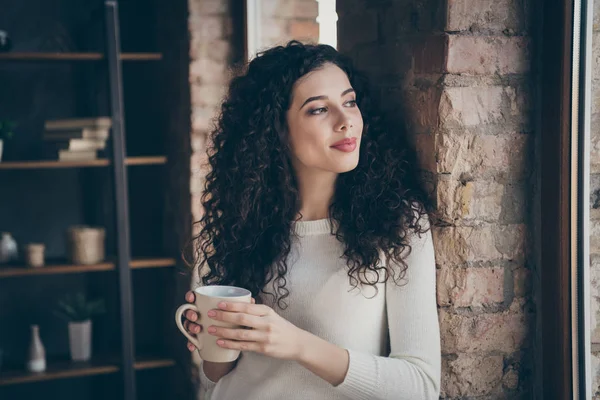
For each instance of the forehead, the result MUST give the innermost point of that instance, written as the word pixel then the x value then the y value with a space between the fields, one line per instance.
pixel 328 80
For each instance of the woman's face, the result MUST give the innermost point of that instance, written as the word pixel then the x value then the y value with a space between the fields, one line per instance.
pixel 324 112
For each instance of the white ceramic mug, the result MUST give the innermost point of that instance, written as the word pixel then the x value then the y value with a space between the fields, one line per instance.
pixel 207 298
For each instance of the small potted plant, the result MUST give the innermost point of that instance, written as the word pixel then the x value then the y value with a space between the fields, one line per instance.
pixel 6 132
pixel 77 310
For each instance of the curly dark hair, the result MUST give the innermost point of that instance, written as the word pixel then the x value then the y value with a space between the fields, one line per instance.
pixel 251 197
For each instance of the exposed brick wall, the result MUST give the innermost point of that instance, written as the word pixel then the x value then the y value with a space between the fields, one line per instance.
pixel 595 204
pixel 461 69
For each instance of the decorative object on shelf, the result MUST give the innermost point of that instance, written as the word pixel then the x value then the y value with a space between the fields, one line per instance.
pixel 34 255
pixel 8 248
pixel 86 244
pixel 37 353
pixel 7 128
pixel 78 311
pixel 76 139
pixel 5 42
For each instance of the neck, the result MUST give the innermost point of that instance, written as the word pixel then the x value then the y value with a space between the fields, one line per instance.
pixel 316 195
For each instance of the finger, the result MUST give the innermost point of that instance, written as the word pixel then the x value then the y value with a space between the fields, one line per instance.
pixel 253 300
pixel 190 297
pixel 191 315
pixel 242 346
pixel 192 328
pixel 253 309
pixel 243 335
pixel 236 318
pixel 191 346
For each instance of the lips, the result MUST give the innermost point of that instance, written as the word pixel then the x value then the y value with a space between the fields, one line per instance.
pixel 346 145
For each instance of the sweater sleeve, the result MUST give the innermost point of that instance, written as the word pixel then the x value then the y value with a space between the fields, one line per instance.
pixel 413 368
pixel 206 385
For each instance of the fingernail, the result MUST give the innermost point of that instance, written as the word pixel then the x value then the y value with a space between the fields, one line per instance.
pixel 220 342
pixel 212 329
pixel 222 305
pixel 196 329
pixel 212 313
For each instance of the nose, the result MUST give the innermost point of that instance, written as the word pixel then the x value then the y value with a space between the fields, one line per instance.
pixel 344 122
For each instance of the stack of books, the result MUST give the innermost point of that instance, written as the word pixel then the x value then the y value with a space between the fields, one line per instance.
pixel 76 139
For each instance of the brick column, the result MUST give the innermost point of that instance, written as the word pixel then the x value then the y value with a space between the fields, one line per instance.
pixel 461 71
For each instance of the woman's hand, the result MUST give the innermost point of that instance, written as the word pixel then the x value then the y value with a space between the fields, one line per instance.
pixel 269 333
pixel 190 317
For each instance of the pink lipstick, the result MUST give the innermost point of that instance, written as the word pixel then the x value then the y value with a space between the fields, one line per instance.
pixel 346 145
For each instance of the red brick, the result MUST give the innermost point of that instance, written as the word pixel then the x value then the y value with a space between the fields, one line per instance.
pixel 482 156
pixel 207 71
pixel 488 242
pixel 207 95
pixel 471 375
pixel 423 108
pixel 488 55
pixel 425 146
pixel 470 287
pixel 522 282
pixel 430 54
pixel 304 30
pixel 494 15
pixel 504 332
pixel 208 7
pixel 206 27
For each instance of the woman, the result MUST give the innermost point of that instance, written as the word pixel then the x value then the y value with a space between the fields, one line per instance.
pixel 314 205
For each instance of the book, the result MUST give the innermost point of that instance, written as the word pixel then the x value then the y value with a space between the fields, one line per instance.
pixel 76 133
pixel 83 155
pixel 78 144
pixel 74 123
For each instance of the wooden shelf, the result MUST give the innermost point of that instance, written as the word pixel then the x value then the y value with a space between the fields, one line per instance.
pixel 58 370
pixel 68 369
pixel 51 164
pixel 64 56
pixel 152 363
pixel 140 263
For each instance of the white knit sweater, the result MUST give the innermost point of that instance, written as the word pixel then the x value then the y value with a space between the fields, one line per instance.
pixel 392 333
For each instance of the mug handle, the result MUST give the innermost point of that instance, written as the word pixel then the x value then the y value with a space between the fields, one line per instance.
pixel 178 314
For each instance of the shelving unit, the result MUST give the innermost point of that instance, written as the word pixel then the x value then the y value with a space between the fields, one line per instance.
pixel 66 369
pixel 126 63
pixel 62 268
pixel 46 164
pixel 38 56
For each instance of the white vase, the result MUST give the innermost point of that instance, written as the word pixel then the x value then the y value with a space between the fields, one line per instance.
pixel 1 146
pixel 37 354
pixel 8 248
pixel 80 340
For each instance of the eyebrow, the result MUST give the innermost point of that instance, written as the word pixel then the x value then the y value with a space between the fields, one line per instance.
pixel 322 97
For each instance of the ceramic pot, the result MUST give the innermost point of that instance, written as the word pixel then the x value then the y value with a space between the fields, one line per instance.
pixel 80 340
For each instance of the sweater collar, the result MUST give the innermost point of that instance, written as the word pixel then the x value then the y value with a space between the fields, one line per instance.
pixel 316 227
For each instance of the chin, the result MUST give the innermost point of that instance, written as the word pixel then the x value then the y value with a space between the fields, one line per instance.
pixel 346 167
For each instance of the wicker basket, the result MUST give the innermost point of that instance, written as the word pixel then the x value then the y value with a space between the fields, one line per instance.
pixel 86 244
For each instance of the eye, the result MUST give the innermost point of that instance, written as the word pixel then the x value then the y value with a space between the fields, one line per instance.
pixel 351 103
pixel 318 111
